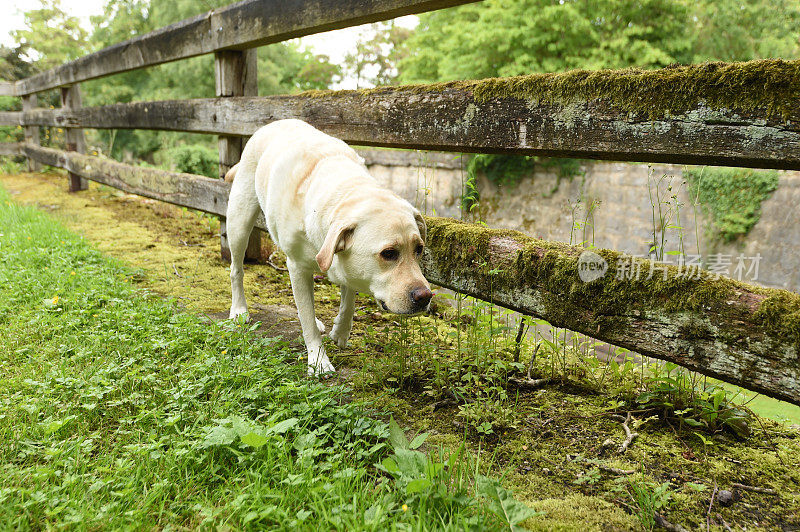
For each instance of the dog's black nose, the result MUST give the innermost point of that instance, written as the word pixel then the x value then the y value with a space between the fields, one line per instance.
pixel 421 297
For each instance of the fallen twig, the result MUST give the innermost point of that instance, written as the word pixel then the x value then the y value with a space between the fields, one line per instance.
pixel 518 340
pixel 609 469
pixel 176 271
pixel 275 266
pixel 452 400
pixel 663 523
pixel 530 384
pixel 756 489
pixel 442 404
pixel 629 435
pixel 533 357
pixel 711 505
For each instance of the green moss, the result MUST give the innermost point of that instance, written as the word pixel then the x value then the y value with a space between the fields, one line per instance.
pixel 508 170
pixel 732 197
pixel 780 311
pixel 770 86
pixel 551 268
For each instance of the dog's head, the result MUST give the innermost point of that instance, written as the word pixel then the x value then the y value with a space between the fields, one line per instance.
pixel 377 250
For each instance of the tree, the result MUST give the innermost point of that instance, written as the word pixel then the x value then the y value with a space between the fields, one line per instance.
pixel 375 59
pixel 51 36
pixel 13 65
pixel 318 73
pixel 512 37
pixel 740 31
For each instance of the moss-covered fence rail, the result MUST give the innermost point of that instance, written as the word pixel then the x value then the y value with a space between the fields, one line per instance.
pixel 736 332
pixel 738 114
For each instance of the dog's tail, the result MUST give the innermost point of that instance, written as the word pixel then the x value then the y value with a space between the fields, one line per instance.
pixel 230 175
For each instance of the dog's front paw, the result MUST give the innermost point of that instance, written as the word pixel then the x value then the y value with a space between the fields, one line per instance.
pixel 236 312
pixel 320 326
pixel 318 362
pixel 321 367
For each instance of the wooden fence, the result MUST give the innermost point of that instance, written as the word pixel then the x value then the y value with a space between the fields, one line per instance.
pixel 743 114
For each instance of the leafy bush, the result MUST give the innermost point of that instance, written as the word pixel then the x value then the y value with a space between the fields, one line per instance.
pixel 195 159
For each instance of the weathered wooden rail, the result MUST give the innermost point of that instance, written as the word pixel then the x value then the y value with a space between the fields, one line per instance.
pixel 726 114
pixel 525 115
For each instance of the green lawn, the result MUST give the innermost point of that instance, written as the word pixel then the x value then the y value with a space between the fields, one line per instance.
pixel 767 406
pixel 117 410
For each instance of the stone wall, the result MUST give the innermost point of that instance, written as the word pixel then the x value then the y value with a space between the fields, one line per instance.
pixel 624 196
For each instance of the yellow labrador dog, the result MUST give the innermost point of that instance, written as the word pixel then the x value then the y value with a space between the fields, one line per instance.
pixel 328 215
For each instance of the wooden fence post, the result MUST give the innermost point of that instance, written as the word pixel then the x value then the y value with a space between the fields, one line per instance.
pixel 235 72
pixel 70 100
pixel 29 103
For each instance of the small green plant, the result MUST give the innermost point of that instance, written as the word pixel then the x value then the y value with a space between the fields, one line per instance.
pixel 649 499
pixel 489 416
pixel 440 485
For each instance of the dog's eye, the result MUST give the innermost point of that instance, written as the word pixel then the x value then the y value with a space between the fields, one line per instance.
pixel 389 254
pixel 418 249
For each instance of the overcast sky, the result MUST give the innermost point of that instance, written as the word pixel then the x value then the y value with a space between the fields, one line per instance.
pixel 335 44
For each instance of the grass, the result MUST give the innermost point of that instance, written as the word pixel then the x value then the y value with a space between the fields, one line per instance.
pixel 546 444
pixel 119 410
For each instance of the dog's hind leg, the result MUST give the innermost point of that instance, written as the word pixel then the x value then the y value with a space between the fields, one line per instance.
pixel 243 209
pixel 303 291
pixel 343 323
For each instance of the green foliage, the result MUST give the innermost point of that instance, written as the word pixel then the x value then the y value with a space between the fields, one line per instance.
pixel 731 197
pixel 195 159
pixel 51 37
pixel 10 133
pixel 121 411
pixel 439 485
pixel 740 31
pixel 13 65
pixel 502 503
pixel 470 360
pixel 376 55
pixel 649 499
pixel 677 395
pixel 513 37
pixel 501 170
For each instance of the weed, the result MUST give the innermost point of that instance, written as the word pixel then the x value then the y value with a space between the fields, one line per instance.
pixel 509 170
pixel 649 499
pixel 441 485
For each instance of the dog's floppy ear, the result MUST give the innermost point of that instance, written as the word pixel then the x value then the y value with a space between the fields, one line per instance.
pixel 338 239
pixel 423 227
